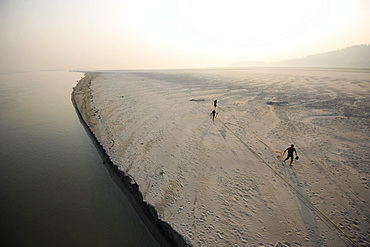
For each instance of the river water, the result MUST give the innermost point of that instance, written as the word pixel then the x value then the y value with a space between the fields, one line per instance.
pixel 54 188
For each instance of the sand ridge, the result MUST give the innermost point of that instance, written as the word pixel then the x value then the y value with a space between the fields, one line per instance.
pixel 212 181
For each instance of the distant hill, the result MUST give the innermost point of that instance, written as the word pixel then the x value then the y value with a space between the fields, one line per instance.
pixel 355 56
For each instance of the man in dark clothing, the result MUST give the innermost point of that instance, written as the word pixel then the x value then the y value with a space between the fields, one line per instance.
pixel 291 150
pixel 214 115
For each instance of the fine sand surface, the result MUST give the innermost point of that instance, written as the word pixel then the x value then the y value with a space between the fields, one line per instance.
pixel 221 183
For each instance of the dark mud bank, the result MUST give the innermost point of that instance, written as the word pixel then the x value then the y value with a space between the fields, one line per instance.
pixel 164 234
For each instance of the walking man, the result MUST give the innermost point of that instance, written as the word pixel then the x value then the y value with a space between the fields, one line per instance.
pixel 291 150
pixel 214 115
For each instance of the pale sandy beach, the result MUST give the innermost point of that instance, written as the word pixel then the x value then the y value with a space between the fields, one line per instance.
pixel 222 182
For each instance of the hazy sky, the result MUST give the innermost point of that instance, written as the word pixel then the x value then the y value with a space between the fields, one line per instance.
pixel 150 34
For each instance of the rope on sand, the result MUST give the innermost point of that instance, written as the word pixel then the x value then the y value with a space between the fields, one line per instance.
pixel 287 182
pixel 272 150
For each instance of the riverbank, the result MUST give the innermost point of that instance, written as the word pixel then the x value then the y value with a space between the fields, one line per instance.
pixel 161 231
pixel 220 182
pixel 55 189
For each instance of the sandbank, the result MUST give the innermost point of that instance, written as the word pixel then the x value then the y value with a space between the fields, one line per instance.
pixel 223 182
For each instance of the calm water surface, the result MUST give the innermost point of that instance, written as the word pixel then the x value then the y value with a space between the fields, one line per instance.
pixel 54 187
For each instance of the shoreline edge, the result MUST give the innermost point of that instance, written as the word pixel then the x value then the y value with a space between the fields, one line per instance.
pixel 163 233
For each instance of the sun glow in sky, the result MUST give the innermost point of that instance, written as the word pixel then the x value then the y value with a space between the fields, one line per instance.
pixel 125 34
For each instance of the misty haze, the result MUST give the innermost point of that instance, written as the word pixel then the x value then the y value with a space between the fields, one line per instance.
pixel 185 123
